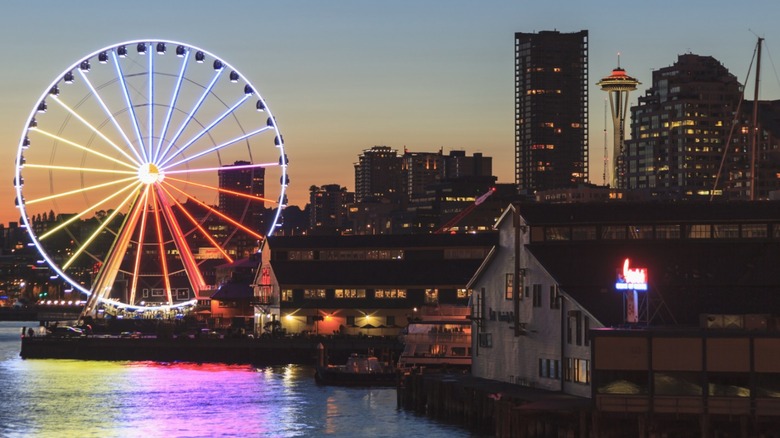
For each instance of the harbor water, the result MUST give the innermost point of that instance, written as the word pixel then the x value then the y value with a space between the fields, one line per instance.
pixel 70 398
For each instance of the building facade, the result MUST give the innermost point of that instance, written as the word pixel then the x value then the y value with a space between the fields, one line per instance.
pixel 370 285
pixel 329 209
pixel 554 276
pixel 377 174
pixel 680 128
pixel 244 180
pixel 551 110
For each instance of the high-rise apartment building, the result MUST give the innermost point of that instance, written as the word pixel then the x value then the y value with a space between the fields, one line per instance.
pixel 378 174
pixel 249 180
pixel 680 128
pixel 329 208
pixel 551 110
pixel 420 170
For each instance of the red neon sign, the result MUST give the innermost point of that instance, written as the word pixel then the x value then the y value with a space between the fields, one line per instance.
pixel 632 279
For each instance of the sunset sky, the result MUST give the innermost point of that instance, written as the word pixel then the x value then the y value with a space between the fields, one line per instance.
pixel 343 76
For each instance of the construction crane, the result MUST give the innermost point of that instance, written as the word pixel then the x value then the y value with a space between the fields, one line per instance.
pixel 454 221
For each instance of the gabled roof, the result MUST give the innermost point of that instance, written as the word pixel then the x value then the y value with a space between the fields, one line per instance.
pixel 482 267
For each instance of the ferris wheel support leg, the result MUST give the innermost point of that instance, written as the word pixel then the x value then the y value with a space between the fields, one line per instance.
pixel 187 258
pixel 107 275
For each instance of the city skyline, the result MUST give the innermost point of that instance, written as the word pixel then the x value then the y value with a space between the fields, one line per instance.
pixel 346 76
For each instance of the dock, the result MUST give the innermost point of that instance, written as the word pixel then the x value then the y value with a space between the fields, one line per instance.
pixel 494 408
pixel 261 351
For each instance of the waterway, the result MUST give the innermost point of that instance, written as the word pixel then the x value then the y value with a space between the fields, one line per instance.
pixel 69 398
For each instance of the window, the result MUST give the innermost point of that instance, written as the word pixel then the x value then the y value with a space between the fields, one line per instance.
pixel 612 232
pixel 578 326
pixel 537 293
pixel 699 231
pixel 583 233
pixel 640 231
pixel 145 293
pixel 314 294
pixel 287 294
pixel 555 301
pixel 431 296
pixel 485 340
pixel 158 292
pixel 725 231
pixel 557 233
pixel 389 293
pixel 728 384
pixel 463 293
pixel 390 320
pixel 350 293
pixel 577 370
pixel 301 255
pixel 752 231
pixel 586 330
pixel 508 286
pixel 549 368
pixel 182 293
pixel 464 253
pixel 351 320
pixel 667 231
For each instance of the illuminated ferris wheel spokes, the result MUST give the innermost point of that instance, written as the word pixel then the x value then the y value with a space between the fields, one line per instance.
pixel 141 188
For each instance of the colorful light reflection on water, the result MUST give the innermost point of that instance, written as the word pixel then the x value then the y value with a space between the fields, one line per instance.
pixel 66 398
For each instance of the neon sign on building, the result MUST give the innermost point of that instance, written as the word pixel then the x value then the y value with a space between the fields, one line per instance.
pixel 631 278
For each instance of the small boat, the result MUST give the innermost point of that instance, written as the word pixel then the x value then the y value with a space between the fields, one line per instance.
pixel 360 370
pixel 440 338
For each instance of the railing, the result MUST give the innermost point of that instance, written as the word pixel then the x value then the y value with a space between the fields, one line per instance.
pixel 437 338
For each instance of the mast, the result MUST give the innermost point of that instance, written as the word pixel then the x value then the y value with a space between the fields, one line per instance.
pixel 754 125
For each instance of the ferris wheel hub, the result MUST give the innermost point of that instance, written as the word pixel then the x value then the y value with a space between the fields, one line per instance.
pixel 149 173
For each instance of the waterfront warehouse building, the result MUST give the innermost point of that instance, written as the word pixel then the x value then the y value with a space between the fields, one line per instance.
pixel 555 276
pixel 551 110
pixel 365 284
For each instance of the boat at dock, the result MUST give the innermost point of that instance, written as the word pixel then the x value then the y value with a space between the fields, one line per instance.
pixel 439 338
pixel 360 370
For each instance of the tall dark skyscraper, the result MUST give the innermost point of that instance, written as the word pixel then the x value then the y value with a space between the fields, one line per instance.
pixel 551 110
pixel 242 180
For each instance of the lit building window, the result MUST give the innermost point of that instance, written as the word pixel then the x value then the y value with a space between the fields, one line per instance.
pixel 389 293
pixel 314 294
pixel 350 293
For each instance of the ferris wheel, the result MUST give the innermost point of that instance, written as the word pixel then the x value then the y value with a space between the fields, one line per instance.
pixel 142 167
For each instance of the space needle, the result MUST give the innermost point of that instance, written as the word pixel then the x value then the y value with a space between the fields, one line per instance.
pixel 618 85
